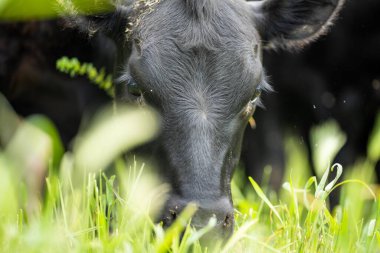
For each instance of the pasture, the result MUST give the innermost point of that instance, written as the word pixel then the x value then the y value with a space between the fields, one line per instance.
pixel 123 127
pixel 100 203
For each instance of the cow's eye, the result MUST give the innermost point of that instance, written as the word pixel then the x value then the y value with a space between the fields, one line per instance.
pixel 133 88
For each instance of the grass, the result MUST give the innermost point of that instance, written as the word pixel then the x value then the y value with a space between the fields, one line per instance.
pixel 86 208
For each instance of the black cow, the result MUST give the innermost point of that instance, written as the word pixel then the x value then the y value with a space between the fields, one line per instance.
pixel 198 62
pixel 32 84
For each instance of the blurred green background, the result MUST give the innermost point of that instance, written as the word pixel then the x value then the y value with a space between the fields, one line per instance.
pixel 46 9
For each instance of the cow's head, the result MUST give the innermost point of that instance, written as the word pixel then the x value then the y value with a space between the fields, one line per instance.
pixel 198 62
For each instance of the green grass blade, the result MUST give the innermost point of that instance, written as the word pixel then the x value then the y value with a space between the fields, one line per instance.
pixel 264 198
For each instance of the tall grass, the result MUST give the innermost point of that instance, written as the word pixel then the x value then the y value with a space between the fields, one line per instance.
pixel 85 208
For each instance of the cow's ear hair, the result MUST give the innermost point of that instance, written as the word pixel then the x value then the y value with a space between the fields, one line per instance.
pixel 110 20
pixel 292 24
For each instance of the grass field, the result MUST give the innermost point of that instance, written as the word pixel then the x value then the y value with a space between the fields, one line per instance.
pixel 85 208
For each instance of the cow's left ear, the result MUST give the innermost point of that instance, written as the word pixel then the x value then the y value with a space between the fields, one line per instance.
pixel 292 24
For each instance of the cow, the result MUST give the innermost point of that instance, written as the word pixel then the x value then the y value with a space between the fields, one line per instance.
pixel 199 64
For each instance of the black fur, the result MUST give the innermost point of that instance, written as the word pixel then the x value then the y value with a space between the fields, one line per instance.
pixel 201 8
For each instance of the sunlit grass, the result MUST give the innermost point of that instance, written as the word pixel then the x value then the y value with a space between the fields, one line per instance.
pixel 89 209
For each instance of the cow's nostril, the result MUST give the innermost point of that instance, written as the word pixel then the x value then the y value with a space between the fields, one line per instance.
pixel 173 214
pixel 221 210
pixel 228 220
pixel 170 215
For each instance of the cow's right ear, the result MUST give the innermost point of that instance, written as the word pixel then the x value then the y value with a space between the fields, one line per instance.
pixel 109 19
pixel 291 24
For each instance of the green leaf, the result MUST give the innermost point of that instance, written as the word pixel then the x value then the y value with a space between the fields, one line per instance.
pixel 48 127
pixel 45 9
pixel 8 196
pixel 177 227
pixel 12 121
pixel 339 172
pixel 113 133
pixel 326 141
pixel 264 198
pixel 309 183
pixel 374 142
pixel 21 9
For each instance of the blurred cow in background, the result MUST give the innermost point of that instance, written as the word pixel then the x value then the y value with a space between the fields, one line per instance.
pixel 32 84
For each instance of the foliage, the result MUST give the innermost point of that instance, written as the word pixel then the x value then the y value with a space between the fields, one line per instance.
pixel 74 68
pixel 15 10
pixel 87 210
pixel 327 140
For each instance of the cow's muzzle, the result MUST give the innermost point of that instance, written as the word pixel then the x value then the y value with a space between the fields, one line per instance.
pixel 221 209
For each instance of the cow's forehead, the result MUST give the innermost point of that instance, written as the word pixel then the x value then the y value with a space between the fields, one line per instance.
pixel 226 22
pixel 171 31
pixel 215 56
pixel 186 76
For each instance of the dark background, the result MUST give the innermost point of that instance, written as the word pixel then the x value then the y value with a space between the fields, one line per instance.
pixel 337 77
